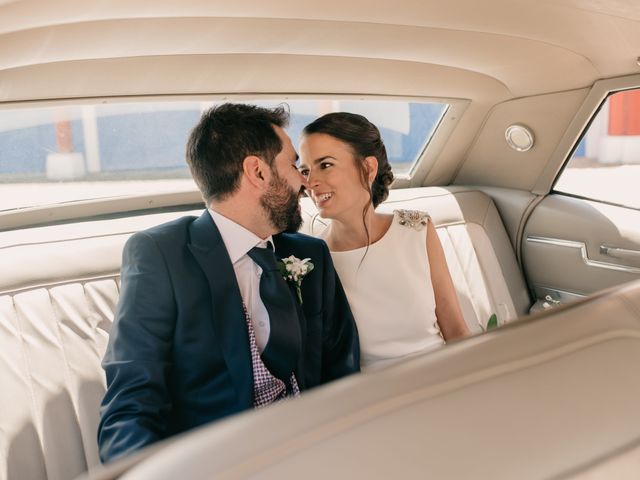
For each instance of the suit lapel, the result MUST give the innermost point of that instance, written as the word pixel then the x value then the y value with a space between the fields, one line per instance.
pixel 229 322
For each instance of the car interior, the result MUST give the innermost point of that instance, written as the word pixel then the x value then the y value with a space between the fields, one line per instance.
pixel 551 393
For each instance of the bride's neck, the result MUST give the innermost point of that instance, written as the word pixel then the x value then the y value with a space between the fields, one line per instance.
pixel 355 232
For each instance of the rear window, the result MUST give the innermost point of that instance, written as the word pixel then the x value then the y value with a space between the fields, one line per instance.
pixel 71 153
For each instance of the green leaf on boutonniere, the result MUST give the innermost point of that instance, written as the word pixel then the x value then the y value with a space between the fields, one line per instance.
pixel 493 322
pixel 283 269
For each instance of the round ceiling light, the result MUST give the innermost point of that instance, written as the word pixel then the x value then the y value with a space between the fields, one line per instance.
pixel 519 137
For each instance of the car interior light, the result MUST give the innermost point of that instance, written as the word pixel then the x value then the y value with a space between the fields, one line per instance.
pixel 519 137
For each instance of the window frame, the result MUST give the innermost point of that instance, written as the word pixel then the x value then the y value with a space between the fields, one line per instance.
pixel 591 105
pixel 575 145
pixel 114 206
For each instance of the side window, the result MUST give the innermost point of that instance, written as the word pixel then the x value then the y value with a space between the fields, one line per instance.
pixel 606 164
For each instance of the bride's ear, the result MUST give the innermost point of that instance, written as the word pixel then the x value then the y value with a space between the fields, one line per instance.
pixel 372 168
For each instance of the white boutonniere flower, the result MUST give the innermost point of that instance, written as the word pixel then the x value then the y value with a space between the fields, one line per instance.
pixel 294 270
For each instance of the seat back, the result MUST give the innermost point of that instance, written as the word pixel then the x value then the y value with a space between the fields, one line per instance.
pixel 58 292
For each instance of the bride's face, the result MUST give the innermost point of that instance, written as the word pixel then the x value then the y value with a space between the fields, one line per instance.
pixel 334 177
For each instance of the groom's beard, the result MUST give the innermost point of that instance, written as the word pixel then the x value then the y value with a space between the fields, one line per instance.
pixel 281 202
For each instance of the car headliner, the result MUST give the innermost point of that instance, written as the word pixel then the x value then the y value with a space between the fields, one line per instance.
pixel 508 48
pixel 508 61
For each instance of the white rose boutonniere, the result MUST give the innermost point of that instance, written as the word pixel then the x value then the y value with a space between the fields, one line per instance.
pixel 294 270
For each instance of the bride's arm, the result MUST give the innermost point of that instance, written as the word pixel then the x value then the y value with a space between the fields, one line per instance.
pixel 448 312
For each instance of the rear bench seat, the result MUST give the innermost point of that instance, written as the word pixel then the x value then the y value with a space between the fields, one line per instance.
pixel 59 288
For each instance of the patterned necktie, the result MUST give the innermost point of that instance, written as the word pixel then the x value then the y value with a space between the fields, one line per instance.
pixel 282 352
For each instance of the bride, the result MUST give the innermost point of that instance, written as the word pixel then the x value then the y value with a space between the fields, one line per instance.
pixel 392 267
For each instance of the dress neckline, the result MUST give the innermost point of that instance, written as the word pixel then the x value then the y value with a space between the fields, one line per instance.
pixel 371 245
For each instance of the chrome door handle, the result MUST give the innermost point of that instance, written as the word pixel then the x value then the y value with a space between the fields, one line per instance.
pixel 582 248
pixel 621 253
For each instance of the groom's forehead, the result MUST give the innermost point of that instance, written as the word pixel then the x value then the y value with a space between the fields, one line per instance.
pixel 288 151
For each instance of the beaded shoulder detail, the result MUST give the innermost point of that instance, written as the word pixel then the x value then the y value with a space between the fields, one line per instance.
pixel 412 218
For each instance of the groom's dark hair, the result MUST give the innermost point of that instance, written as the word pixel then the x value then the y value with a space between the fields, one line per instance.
pixel 225 135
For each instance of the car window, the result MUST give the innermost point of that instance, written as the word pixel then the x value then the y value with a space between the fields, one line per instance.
pixel 50 155
pixel 605 165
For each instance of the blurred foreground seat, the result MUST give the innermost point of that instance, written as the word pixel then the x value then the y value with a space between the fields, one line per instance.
pixel 552 396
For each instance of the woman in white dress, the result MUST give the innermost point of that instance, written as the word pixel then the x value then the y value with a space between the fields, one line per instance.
pixel 392 267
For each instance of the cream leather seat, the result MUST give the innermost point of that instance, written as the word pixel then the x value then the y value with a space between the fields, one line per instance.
pixel 58 292
pixel 59 289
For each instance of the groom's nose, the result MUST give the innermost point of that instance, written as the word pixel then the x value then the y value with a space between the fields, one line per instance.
pixel 305 183
pixel 311 180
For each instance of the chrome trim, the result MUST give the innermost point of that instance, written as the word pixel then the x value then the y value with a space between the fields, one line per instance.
pixel 618 252
pixel 561 295
pixel 583 253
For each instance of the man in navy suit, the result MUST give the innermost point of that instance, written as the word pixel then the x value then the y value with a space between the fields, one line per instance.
pixel 204 328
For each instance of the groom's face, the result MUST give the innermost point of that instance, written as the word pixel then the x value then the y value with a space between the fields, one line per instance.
pixel 282 199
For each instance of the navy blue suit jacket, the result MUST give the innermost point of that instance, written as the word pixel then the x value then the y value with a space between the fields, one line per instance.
pixel 178 353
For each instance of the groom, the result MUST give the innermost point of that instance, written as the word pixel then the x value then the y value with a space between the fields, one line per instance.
pixel 206 325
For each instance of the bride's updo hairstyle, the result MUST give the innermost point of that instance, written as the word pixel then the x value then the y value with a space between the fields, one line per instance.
pixel 364 139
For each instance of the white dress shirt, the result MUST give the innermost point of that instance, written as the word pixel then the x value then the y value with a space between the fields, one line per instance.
pixel 238 241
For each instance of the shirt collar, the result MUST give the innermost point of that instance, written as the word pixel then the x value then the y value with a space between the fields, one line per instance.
pixel 237 239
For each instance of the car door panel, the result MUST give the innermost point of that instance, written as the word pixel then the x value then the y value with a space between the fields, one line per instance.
pixel 573 247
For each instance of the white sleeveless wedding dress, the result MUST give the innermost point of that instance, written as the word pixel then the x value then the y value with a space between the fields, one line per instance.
pixel 390 292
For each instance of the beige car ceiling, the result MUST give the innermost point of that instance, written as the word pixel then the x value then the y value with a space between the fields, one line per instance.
pixel 488 52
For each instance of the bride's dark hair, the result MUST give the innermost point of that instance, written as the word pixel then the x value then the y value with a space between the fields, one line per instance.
pixel 364 139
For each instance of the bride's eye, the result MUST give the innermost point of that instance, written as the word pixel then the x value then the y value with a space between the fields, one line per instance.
pixel 324 165
pixel 304 172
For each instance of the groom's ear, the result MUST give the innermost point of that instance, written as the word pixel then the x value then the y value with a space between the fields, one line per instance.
pixel 254 170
